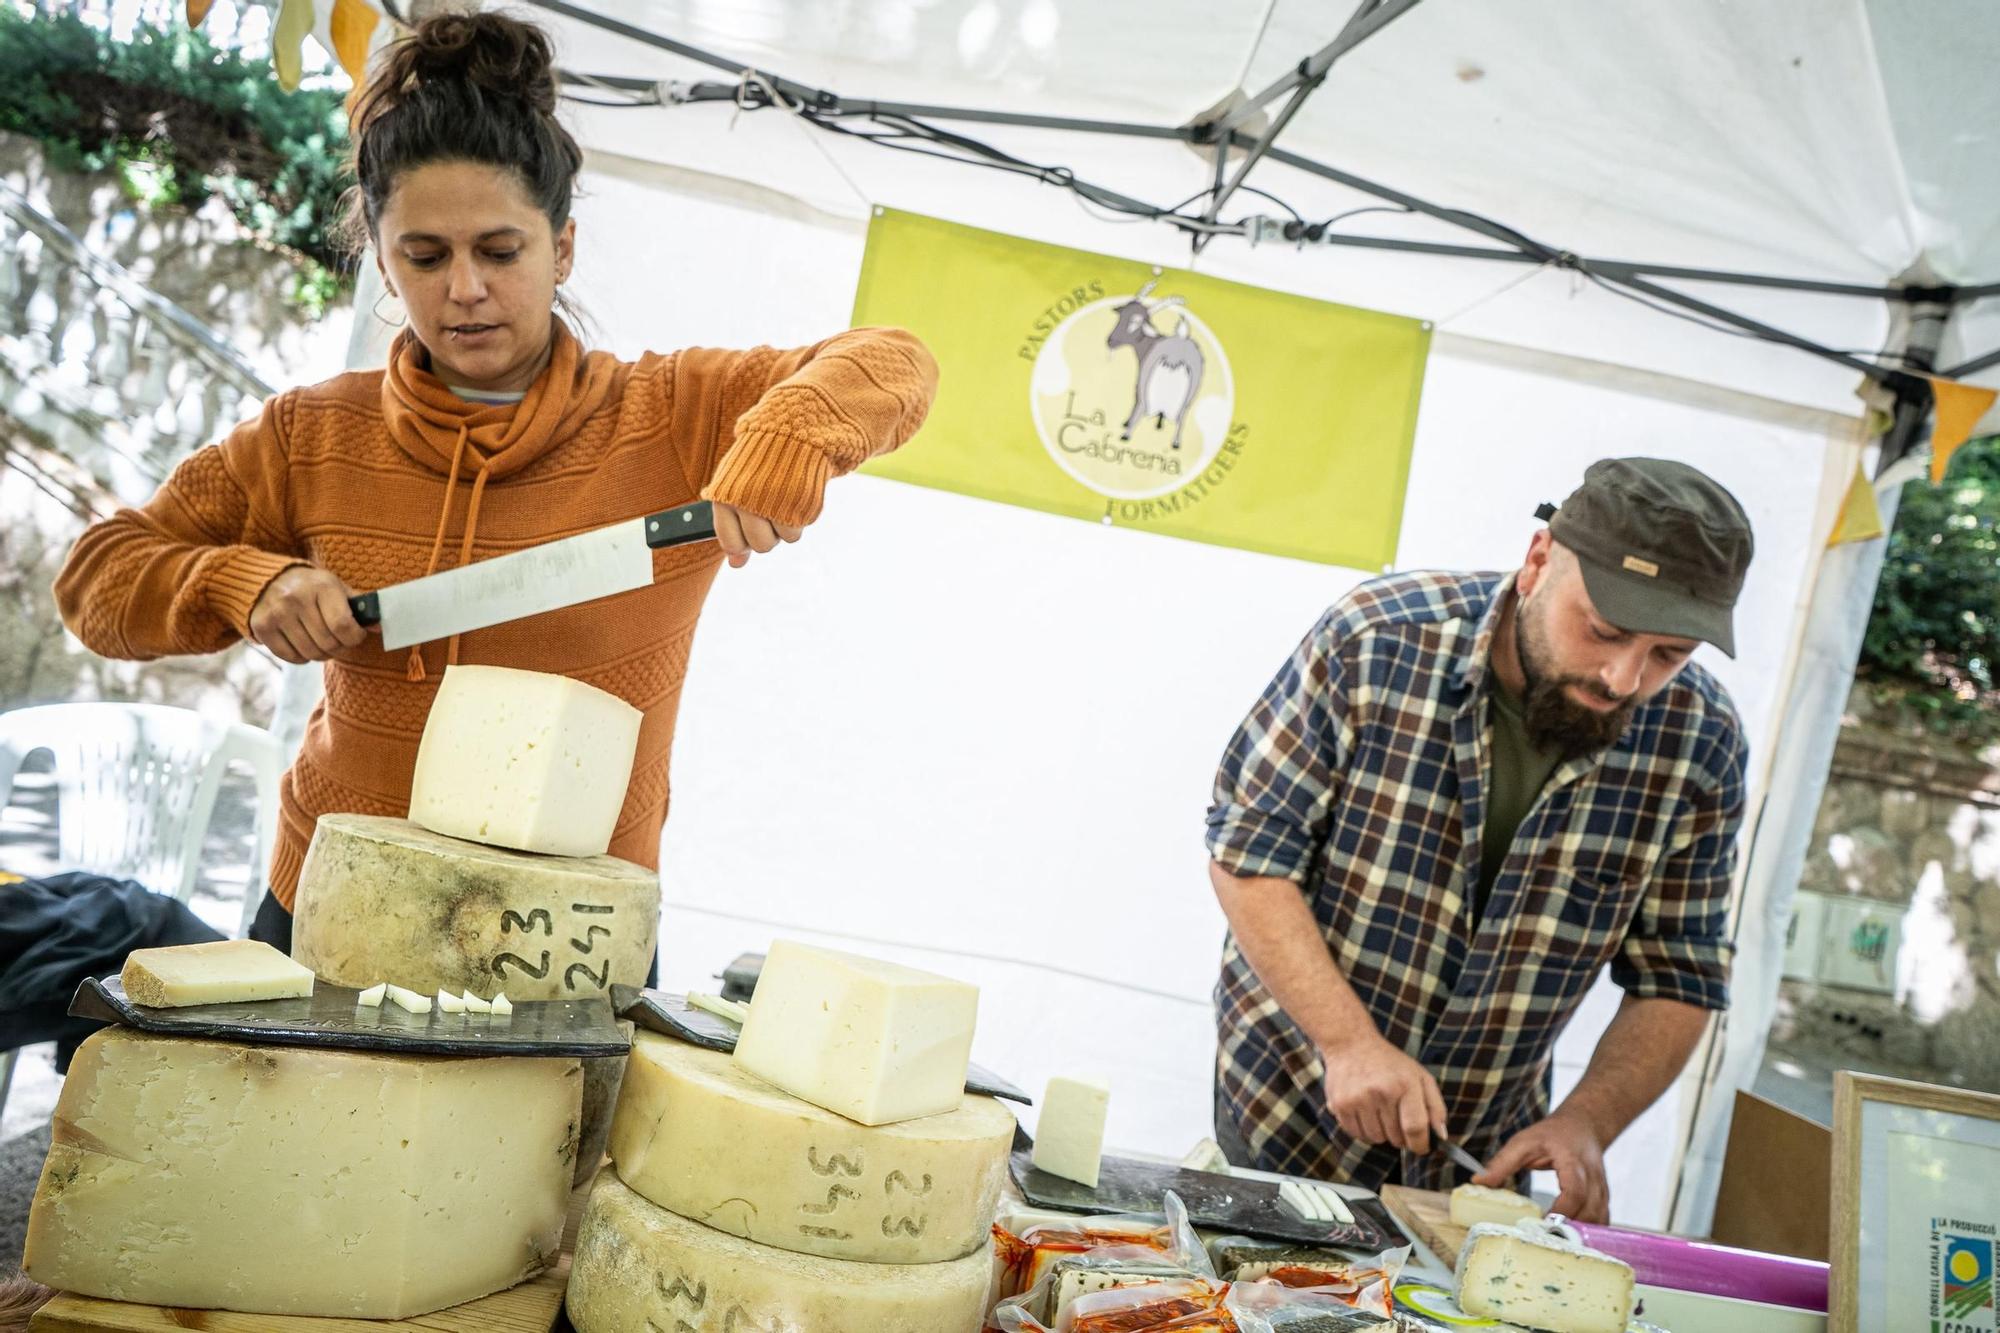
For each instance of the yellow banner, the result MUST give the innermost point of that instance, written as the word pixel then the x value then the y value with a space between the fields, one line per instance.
pixel 1168 401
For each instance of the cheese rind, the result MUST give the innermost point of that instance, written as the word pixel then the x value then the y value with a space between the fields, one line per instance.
pixel 383 898
pixel 1473 1204
pixel 873 1041
pixel 524 759
pixel 290 1180
pixel 220 972
pixel 1531 1274
pixel 697 1135
pixel 639 1266
pixel 1069 1138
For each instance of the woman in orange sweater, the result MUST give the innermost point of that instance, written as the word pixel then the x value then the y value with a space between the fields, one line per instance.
pixel 490 430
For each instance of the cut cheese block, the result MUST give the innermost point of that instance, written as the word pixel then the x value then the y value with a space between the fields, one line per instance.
pixel 285 1180
pixel 639 1266
pixel 222 972
pixel 876 1042
pixel 1473 1204
pixel 698 1135
pixel 1539 1275
pixel 524 759
pixel 1069 1138
pixel 385 900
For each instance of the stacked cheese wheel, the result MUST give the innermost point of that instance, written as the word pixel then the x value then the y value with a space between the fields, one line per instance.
pixel 497 882
pixel 740 1201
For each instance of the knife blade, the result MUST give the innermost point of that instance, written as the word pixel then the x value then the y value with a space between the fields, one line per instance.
pixel 547 577
pixel 1462 1157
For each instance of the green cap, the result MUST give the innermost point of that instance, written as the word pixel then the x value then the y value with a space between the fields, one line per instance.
pixel 1662 546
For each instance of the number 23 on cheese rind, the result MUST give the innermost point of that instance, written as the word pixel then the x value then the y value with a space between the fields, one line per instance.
pixel 873 1041
pixel 695 1134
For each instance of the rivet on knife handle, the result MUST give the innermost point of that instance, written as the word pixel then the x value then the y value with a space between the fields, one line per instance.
pixel 677 527
pixel 367 608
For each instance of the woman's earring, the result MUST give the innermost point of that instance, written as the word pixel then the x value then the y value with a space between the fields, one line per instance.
pixel 395 323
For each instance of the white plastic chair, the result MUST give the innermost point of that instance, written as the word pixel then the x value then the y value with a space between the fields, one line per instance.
pixel 136 787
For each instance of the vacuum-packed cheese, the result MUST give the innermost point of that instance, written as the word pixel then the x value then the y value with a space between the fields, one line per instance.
pixel 876 1042
pixel 219 972
pixel 639 1266
pixel 288 1180
pixel 698 1135
pixel 1540 1275
pixel 524 759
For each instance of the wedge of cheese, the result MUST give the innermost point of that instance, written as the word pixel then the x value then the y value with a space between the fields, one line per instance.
pixel 286 1180
pixel 1069 1138
pixel 876 1042
pixel 696 1134
pixel 222 972
pixel 1473 1204
pixel 639 1266
pixel 1539 1275
pixel 524 759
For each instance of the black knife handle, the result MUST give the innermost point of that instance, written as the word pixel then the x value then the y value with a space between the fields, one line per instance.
pixel 678 527
pixel 367 608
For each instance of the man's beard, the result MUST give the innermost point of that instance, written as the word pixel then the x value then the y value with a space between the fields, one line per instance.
pixel 1554 721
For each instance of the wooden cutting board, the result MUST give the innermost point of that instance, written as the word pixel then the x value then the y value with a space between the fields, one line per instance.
pixel 1426 1214
pixel 532 1307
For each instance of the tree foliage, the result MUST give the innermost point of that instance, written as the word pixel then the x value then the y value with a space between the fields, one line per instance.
pixel 1934 636
pixel 182 120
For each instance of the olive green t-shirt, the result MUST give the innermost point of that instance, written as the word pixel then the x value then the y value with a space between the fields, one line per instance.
pixel 1519 773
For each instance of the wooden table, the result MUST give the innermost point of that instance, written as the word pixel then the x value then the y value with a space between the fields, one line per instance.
pixel 532 1307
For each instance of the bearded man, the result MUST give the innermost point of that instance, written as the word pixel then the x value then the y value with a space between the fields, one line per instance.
pixel 1462 796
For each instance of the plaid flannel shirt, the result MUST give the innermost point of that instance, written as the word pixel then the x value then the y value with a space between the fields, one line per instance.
pixel 1360 775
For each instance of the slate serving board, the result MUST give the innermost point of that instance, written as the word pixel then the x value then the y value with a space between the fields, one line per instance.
pixel 669 1014
pixel 331 1018
pixel 1241 1205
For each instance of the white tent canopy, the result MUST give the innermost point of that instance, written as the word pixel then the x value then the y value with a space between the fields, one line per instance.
pixel 981 739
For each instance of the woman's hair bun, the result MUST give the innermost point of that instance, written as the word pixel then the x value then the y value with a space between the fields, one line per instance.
pixel 491 51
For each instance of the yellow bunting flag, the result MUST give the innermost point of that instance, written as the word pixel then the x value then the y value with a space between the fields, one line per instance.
pixel 288 34
pixel 1860 517
pixel 1173 402
pixel 197 10
pixel 1959 408
pixel 350 31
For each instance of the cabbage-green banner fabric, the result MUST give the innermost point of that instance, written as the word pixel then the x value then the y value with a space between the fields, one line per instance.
pixel 1177 403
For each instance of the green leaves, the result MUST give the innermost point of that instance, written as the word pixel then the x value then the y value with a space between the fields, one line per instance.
pixel 181 119
pixel 1935 630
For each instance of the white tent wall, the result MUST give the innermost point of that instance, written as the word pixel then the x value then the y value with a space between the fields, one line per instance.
pixel 982 739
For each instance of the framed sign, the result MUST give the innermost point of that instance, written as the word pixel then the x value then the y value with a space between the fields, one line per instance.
pixel 1916 1207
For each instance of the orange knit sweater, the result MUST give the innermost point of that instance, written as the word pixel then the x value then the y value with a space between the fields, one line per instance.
pixel 377 476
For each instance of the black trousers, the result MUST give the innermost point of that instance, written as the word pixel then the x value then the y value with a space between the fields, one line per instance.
pixel 273 925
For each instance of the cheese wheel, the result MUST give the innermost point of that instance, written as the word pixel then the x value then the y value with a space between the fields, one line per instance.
pixel 300 1181
pixel 639 1266
pixel 386 900
pixel 696 1134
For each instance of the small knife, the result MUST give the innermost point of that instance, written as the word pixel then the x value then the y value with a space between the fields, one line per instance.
pixel 1462 1157
pixel 542 578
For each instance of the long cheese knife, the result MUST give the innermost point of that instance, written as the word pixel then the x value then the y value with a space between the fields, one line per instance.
pixel 526 583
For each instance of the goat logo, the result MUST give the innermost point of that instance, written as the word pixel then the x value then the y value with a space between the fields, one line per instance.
pixel 1131 426
pixel 1170 364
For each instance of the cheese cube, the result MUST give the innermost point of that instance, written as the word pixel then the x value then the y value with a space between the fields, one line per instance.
pixel 408 1000
pixel 1473 1204
pixel 223 972
pixel 1069 1138
pixel 372 997
pixel 300 1181
pixel 873 1041
pixel 1534 1274
pixel 524 759
pixel 502 1005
